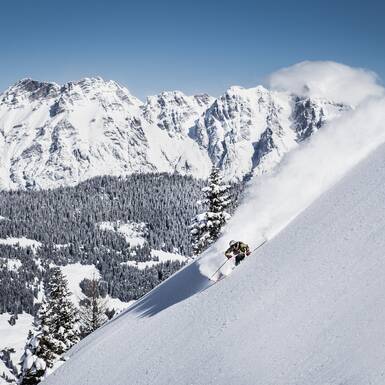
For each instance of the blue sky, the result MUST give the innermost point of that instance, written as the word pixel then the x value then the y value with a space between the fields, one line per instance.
pixel 194 46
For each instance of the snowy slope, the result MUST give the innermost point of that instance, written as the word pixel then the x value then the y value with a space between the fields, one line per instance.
pixel 75 273
pixel 307 308
pixel 53 135
pixel 13 337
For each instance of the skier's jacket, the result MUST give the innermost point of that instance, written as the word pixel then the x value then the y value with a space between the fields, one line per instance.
pixel 237 248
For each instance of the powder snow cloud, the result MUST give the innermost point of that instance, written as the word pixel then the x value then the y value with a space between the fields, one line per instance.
pixel 271 201
pixel 327 79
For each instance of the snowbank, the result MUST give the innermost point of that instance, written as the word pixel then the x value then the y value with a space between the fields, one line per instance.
pixel 12 263
pixel 75 273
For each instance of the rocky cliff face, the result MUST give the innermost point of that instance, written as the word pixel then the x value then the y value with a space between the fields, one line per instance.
pixel 53 135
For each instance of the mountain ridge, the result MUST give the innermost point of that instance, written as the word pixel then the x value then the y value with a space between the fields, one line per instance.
pixel 52 135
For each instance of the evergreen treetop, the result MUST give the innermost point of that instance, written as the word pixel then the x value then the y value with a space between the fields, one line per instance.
pixel 206 226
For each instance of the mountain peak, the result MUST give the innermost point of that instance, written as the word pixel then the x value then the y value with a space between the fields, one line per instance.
pixel 239 90
pixel 99 88
pixel 235 89
pixel 31 89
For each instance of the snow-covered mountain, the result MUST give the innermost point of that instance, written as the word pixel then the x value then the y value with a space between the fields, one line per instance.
pixel 53 135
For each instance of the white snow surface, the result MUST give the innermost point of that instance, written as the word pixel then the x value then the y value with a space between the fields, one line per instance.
pixel 12 264
pixel 76 272
pixel 161 256
pixel 306 308
pixel 164 256
pixel 13 336
pixel 22 242
pixel 132 232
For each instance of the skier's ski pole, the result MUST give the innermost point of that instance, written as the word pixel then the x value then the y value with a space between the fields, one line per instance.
pixel 260 245
pixel 227 260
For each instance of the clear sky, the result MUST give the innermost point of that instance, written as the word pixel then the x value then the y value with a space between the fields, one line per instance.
pixel 193 46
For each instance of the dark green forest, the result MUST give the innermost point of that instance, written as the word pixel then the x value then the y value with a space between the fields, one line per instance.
pixel 70 216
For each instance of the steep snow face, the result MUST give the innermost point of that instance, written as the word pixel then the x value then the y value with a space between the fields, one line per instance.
pixel 175 112
pixel 252 129
pixel 306 308
pixel 53 135
pixel 168 118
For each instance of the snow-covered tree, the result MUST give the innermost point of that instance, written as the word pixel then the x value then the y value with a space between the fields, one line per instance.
pixel 206 226
pixel 39 349
pixel 92 308
pixel 5 357
pixel 55 331
pixel 31 370
pixel 64 315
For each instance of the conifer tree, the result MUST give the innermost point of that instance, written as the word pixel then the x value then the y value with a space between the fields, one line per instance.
pixel 55 331
pixel 39 349
pixel 64 321
pixel 206 227
pixel 92 308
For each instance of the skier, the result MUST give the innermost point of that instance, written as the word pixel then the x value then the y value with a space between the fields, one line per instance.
pixel 238 249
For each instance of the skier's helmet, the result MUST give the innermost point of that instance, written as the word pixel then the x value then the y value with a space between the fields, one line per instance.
pixel 231 243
